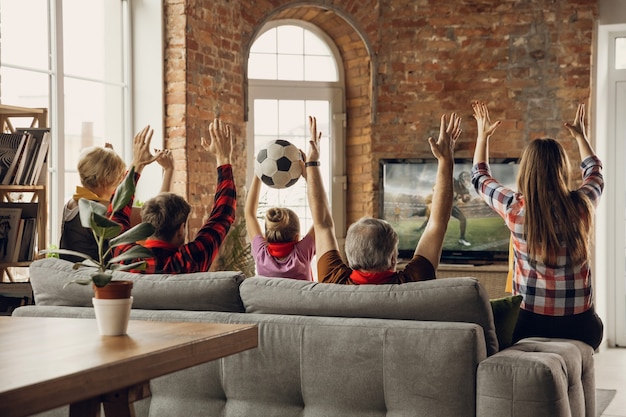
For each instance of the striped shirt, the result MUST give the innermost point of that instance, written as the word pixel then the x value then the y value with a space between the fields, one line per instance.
pixel 554 290
pixel 197 255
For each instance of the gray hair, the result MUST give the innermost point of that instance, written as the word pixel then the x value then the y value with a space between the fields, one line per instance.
pixel 371 245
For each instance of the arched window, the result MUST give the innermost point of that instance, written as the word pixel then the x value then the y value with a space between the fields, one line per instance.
pixel 294 72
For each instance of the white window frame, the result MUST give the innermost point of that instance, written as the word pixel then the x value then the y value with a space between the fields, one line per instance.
pixel 143 97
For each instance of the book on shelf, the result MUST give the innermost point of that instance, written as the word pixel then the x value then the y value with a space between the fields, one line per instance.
pixel 9 226
pixel 23 160
pixel 18 242
pixel 42 157
pixel 27 245
pixel 11 148
pixel 37 156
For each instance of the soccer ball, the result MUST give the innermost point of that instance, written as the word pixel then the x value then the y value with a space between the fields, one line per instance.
pixel 277 165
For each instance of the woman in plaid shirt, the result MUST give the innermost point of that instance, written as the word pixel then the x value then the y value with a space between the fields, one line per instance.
pixel 550 226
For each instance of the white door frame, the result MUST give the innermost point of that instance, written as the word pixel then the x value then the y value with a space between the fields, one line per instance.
pixel 610 138
pixel 310 91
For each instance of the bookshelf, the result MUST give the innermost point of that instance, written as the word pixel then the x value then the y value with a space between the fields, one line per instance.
pixel 25 193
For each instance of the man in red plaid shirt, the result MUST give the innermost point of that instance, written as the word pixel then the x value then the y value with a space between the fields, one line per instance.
pixel 168 213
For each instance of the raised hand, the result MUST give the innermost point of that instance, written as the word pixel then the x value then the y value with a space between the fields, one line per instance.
pixel 577 128
pixel 314 141
pixel 578 132
pixel 485 126
pixel 165 159
pixel 220 143
pixel 449 132
pixel 141 149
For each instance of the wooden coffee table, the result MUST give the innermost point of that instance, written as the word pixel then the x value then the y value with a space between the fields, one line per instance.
pixel 46 363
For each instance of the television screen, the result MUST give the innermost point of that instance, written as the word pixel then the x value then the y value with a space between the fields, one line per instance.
pixel 475 235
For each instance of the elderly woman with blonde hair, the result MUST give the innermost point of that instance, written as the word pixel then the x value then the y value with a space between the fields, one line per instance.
pixel 101 170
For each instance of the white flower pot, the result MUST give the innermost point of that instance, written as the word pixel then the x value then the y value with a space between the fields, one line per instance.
pixel 112 315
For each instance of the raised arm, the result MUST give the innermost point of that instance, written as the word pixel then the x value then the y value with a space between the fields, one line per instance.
pixel 323 224
pixel 431 242
pixel 141 157
pixel 166 160
pixel 579 133
pixel 252 204
pixel 485 130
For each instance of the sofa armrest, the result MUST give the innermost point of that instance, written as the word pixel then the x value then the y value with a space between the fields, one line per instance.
pixel 538 377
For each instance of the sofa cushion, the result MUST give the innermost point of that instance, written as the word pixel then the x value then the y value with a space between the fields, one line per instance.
pixel 505 312
pixel 214 291
pixel 450 299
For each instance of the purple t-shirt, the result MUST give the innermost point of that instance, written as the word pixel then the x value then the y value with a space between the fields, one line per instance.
pixel 296 265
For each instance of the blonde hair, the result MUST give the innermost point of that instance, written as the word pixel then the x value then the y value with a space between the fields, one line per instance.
pixel 100 168
pixel 554 213
pixel 281 225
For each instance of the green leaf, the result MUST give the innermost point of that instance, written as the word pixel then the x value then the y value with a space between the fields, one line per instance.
pixel 100 279
pixel 125 191
pixel 104 227
pixel 78 281
pixel 141 265
pixel 139 232
pixel 136 252
pixel 66 252
pixel 86 207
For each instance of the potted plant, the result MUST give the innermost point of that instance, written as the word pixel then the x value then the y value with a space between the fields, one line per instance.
pixel 112 298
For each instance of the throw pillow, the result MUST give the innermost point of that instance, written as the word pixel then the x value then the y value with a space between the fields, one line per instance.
pixel 505 312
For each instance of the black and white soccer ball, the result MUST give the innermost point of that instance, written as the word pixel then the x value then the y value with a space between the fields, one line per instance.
pixel 278 164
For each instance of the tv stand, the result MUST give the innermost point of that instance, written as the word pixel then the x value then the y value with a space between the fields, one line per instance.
pixel 491 276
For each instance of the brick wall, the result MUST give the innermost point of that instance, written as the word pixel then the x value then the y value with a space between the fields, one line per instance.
pixel 406 63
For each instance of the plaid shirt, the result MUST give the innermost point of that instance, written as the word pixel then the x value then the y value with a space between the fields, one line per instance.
pixel 197 255
pixel 553 290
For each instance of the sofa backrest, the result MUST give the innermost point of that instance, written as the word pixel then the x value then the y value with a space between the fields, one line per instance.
pixel 320 366
pixel 449 299
pixel 214 291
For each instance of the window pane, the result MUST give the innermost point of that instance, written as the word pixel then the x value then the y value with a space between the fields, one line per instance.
pixel 620 53
pixel 265 117
pixel 301 55
pixel 290 67
pixel 93 47
pixel 290 40
pixel 92 117
pixel 313 45
pixel 290 113
pixel 24 33
pixel 24 88
pixel 320 68
pixel 266 43
pixel 262 67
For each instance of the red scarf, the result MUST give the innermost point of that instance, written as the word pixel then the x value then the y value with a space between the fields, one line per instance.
pixel 281 249
pixel 374 278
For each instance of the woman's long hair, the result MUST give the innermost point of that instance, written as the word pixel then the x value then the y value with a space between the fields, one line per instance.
pixel 554 213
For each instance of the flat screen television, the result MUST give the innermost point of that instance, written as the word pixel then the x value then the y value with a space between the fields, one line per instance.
pixel 476 234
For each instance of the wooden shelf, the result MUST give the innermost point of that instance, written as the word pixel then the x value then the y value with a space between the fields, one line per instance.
pixel 36 193
pixel 39 116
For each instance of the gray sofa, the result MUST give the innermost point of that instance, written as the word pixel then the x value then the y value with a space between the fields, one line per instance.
pixel 419 349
